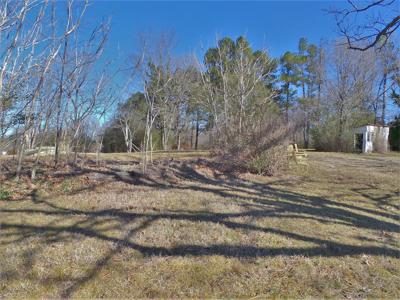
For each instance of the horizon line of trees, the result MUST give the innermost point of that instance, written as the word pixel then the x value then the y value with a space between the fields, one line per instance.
pixel 56 90
pixel 319 92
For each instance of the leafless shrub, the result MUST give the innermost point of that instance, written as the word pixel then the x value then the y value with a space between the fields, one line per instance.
pixel 261 149
pixel 269 162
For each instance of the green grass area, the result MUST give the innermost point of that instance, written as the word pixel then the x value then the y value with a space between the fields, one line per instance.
pixel 329 228
pixel 4 194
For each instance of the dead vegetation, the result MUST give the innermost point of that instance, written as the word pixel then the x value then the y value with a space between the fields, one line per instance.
pixel 193 228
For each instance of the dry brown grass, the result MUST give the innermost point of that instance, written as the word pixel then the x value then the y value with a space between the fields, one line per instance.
pixel 187 229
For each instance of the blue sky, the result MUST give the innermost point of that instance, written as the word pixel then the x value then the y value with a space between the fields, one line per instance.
pixel 274 25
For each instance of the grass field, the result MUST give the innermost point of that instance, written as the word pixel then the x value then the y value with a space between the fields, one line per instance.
pixel 330 228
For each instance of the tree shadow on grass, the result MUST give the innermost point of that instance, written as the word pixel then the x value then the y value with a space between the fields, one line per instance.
pixel 257 201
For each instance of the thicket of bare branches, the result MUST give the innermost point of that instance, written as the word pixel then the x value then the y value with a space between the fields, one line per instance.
pixel 356 92
pixel 47 83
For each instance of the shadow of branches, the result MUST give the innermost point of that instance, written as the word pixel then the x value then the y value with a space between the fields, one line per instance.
pixel 257 200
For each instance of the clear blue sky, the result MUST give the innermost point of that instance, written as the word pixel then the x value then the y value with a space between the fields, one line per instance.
pixel 275 25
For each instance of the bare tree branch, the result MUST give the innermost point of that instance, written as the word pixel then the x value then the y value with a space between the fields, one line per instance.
pixel 368 26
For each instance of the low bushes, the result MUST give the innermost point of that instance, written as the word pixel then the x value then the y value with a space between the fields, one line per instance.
pixel 269 162
pixel 260 149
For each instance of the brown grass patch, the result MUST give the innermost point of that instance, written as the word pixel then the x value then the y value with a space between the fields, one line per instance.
pixel 192 228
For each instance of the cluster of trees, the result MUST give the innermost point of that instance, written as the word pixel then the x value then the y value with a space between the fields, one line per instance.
pixel 318 93
pixel 183 96
pixel 359 86
pixel 231 95
pixel 51 87
pixel 56 91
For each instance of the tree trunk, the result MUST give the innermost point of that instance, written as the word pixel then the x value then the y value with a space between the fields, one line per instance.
pixel 35 164
pixel 164 137
pixel 196 142
pixel 383 116
pixel 127 138
pixel 306 131
pixel 57 145
pixel 191 136
pixel 20 159
pixel 130 143
pixel 151 147
pixel 179 142
pixel 341 129
pixel 287 103
pixel 75 154
pixel 319 103
pixel 83 160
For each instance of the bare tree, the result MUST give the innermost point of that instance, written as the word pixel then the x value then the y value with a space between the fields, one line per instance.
pixel 18 41
pixel 249 72
pixel 46 73
pixel 236 85
pixel 125 121
pixel 153 63
pixel 26 61
pixel 174 113
pixel 388 59
pixel 129 120
pixel 349 87
pixel 368 24
pixel 71 25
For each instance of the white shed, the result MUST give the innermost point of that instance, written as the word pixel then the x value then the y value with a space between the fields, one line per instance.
pixel 370 138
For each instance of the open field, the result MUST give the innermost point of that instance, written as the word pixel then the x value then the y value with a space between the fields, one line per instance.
pixel 136 155
pixel 156 155
pixel 327 229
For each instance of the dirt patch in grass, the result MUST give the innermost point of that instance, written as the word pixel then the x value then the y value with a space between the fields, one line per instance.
pixel 192 228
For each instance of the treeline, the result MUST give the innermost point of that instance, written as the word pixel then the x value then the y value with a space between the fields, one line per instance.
pixel 319 94
pixel 57 90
